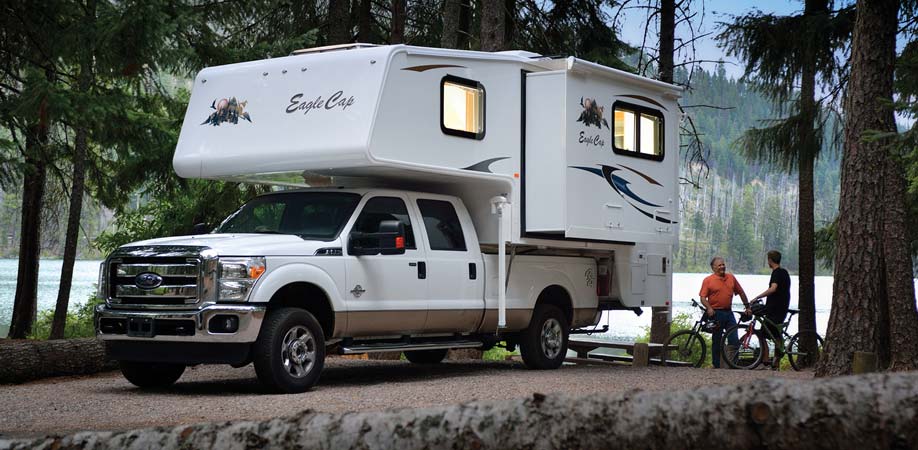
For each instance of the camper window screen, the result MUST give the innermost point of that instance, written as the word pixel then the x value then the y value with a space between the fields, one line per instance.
pixel 462 105
pixel 638 131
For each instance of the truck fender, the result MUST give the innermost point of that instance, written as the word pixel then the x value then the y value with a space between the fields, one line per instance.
pixel 282 276
pixel 529 292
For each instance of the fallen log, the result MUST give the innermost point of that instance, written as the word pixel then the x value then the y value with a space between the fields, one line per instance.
pixel 855 412
pixel 25 359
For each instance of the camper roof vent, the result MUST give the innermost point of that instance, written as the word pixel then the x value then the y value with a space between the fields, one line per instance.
pixel 520 53
pixel 333 48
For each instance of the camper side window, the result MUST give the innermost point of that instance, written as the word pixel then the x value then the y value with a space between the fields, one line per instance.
pixel 462 107
pixel 637 131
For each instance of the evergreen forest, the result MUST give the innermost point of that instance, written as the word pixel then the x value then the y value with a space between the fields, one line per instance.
pixel 737 209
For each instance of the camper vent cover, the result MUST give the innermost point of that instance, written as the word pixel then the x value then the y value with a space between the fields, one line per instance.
pixel 333 48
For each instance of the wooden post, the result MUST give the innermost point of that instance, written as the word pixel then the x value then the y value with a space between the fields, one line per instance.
pixel 641 354
pixel 864 362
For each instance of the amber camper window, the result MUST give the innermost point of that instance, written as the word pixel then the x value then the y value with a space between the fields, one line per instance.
pixel 637 131
pixel 462 107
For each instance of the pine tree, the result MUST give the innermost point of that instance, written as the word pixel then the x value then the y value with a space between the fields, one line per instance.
pixel 781 52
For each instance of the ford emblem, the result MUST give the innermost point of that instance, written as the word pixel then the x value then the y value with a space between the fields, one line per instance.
pixel 148 280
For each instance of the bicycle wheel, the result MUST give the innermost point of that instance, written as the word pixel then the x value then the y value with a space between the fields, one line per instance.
pixel 685 346
pixel 748 354
pixel 796 352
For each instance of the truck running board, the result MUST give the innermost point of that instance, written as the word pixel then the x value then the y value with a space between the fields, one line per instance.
pixel 405 346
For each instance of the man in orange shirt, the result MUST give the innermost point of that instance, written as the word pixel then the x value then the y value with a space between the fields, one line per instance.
pixel 717 291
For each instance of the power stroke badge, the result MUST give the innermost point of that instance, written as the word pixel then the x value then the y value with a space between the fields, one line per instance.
pixel 338 101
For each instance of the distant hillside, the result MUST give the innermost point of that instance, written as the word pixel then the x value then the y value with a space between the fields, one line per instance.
pixel 742 209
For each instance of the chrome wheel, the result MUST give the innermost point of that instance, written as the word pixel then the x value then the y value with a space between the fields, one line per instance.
pixel 298 351
pixel 552 336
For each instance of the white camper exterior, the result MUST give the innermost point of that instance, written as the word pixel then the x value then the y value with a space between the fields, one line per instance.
pixel 446 199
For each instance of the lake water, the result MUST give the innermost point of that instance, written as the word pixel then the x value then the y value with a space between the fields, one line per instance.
pixel 85 277
pixel 622 324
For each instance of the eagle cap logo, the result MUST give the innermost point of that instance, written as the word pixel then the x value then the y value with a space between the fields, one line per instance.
pixel 148 280
pixel 227 110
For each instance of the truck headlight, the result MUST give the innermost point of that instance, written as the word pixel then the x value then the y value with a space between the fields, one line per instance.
pixel 101 288
pixel 237 277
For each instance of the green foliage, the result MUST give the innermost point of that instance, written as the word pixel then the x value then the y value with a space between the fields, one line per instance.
pixel 498 354
pixel 740 238
pixel 79 323
pixel 176 212
pixel 577 27
pixel 775 49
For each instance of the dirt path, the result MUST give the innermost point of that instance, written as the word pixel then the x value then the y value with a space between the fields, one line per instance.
pixel 219 393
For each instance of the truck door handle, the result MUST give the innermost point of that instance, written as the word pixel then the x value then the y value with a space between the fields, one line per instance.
pixel 422 270
pixel 473 271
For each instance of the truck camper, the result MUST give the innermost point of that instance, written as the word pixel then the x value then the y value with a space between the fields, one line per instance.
pixel 427 199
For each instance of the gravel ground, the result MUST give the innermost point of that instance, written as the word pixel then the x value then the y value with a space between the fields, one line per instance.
pixel 219 393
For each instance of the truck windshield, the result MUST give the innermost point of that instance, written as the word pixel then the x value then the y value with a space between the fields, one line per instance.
pixel 310 215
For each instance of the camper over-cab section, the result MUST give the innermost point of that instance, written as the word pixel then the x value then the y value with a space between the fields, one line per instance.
pixel 586 155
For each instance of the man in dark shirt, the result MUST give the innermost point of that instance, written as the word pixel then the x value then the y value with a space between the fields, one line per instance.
pixel 778 295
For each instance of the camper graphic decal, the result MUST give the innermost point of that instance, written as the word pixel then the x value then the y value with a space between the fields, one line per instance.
pixel 227 110
pixel 431 67
pixel 592 113
pixel 338 100
pixel 485 166
pixel 646 99
pixel 623 187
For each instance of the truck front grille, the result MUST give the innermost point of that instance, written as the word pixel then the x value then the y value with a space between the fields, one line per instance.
pixel 165 281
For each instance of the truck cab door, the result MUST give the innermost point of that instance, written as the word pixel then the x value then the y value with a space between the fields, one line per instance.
pixel 455 271
pixel 386 294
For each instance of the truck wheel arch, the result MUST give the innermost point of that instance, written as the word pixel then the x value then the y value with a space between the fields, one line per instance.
pixel 559 296
pixel 303 286
pixel 309 297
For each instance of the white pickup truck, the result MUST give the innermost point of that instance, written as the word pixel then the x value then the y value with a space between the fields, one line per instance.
pixel 369 270
pixel 441 199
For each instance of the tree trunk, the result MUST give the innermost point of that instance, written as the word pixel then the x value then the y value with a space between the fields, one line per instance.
pixel 76 190
pixel 876 411
pixel 449 38
pixel 859 260
pixel 806 250
pixel 806 160
pixel 33 360
pixel 493 26
pixel 72 237
pixel 365 22
pixel 25 303
pixel 899 345
pixel 667 39
pixel 399 11
pixel 339 22
pixel 900 288
pixel 659 321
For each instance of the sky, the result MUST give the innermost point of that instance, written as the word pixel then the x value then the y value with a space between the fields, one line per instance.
pixel 715 12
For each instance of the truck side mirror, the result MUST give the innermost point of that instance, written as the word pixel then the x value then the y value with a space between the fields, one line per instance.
pixel 389 240
pixel 200 228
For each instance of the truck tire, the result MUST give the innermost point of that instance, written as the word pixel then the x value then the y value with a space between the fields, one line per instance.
pixel 290 351
pixel 543 344
pixel 151 375
pixel 426 356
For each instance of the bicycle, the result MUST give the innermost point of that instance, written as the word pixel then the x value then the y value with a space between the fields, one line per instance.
pixel 688 346
pixel 753 346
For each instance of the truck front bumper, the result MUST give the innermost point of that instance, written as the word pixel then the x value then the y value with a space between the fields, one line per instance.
pixel 213 324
